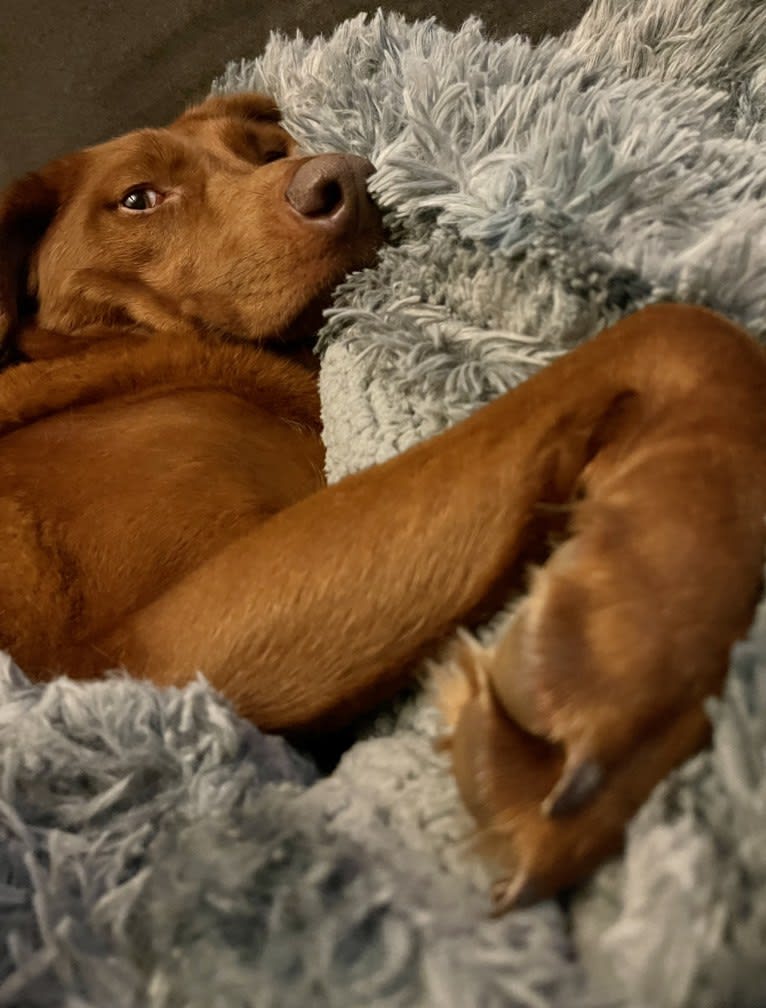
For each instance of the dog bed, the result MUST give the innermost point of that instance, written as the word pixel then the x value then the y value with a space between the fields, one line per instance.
pixel 155 850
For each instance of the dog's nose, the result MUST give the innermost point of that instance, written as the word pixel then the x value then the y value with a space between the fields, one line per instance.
pixel 329 190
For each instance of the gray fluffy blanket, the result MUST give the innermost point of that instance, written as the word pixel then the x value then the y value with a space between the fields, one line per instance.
pixel 157 851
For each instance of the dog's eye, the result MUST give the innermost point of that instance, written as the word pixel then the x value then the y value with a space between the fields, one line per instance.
pixel 140 199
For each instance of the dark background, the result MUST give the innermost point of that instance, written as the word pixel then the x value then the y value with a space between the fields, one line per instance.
pixel 74 72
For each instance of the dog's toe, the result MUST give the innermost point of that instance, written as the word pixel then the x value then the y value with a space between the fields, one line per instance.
pixel 514 893
pixel 580 662
pixel 579 781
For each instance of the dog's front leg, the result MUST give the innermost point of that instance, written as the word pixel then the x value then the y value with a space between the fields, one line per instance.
pixel 316 613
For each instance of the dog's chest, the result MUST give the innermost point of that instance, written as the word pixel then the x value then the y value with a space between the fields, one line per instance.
pixel 129 495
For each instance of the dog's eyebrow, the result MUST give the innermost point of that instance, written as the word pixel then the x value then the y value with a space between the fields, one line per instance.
pixel 143 156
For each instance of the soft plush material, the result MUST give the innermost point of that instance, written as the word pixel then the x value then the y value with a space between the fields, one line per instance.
pixel 156 850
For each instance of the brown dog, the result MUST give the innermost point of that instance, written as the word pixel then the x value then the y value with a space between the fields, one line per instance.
pixel 163 506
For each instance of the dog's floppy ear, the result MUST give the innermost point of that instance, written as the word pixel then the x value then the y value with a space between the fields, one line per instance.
pixel 27 208
pixel 248 105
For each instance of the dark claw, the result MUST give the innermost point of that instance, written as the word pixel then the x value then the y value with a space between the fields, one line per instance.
pixel 513 894
pixel 578 782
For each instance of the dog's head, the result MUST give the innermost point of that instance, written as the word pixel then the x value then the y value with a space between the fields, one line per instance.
pixel 219 220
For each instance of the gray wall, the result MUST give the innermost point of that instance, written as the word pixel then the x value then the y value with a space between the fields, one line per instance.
pixel 74 72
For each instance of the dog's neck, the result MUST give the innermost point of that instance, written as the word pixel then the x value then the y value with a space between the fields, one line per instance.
pixel 109 311
pixel 37 343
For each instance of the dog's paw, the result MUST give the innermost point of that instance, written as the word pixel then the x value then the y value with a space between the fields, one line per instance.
pixel 630 620
pixel 595 686
pixel 506 777
pixel 582 661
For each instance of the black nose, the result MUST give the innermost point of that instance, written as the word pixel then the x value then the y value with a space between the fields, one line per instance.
pixel 330 191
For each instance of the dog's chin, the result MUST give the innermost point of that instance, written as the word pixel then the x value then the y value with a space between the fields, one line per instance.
pixel 302 330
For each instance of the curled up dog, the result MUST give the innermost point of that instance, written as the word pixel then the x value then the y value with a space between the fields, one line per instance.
pixel 163 506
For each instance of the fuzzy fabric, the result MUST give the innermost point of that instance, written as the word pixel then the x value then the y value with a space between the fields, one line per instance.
pixel 156 850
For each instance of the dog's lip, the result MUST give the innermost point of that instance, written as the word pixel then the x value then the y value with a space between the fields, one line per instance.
pixel 367 210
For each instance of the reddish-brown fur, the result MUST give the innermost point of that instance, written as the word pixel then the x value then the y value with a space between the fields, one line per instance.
pixel 163 506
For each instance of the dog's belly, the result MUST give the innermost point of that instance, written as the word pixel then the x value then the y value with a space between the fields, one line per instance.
pixel 103 508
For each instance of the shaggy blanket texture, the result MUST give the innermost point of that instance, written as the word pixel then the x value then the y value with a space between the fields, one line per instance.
pixel 156 850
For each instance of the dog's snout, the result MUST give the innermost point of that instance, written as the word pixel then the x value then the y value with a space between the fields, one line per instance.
pixel 330 190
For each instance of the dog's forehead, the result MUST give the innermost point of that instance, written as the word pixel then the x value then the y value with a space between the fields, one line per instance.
pixel 143 151
pixel 193 141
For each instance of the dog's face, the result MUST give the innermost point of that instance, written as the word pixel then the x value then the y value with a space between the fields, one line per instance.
pixel 218 219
